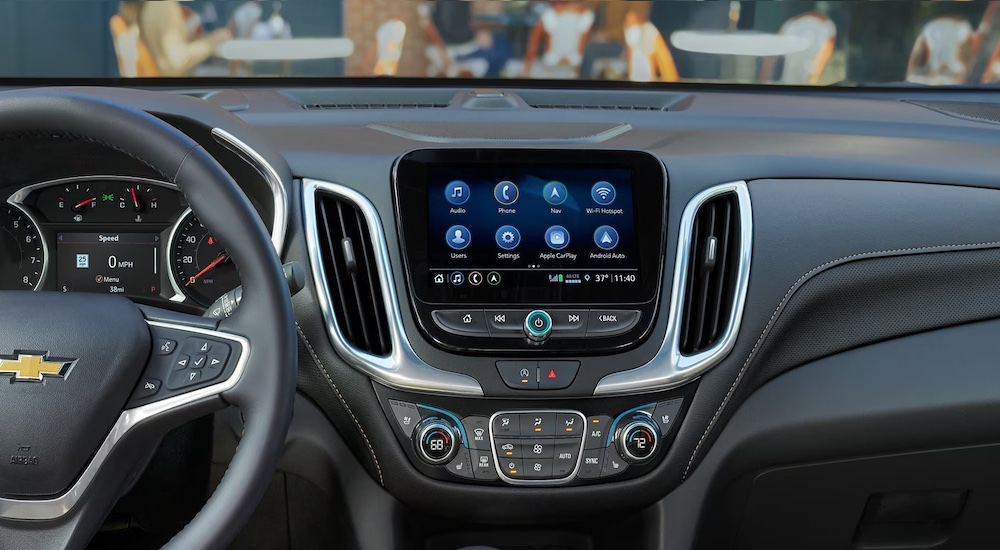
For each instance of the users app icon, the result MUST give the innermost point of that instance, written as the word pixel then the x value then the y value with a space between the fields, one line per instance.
pixel 555 193
pixel 505 193
pixel 457 192
pixel 603 193
pixel 508 237
pixel 557 237
pixel 458 237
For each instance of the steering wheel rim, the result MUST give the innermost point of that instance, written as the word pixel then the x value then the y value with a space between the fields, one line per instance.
pixel 264 385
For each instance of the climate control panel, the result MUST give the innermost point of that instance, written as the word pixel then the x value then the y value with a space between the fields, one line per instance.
pixel 536 447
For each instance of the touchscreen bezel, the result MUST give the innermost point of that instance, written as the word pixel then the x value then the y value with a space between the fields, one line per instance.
pixel 411 186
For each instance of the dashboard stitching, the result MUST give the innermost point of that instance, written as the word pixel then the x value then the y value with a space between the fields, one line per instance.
pixel 89 139
pixel 329 380
pixel 784 301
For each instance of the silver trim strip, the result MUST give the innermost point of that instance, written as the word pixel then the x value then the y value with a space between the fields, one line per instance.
pixel 57 507
pixel 403 369
pixel 279 227
pixel 536 482
pixel 669 368
pixel 179 295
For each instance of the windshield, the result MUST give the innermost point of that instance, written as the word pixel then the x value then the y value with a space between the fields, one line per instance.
pixel 787 42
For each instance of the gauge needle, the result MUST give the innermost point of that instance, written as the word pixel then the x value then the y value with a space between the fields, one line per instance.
pixel 80 206
pixel 135 200
pixel 209 267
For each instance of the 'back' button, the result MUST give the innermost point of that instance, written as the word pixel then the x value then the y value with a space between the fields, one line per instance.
pixel 611 322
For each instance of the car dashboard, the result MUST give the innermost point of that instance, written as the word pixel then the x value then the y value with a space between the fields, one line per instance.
pixel 636 318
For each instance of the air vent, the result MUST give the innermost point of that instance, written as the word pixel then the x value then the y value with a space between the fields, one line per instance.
pixel 370 98
pixel 352 274
pixel 711 274
pixel 601 101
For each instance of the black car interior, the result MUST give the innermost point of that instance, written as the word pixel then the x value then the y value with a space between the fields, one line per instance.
pixel 425 317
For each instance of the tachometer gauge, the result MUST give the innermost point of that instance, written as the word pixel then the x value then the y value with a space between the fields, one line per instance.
pixel 202 267
pixel 22 254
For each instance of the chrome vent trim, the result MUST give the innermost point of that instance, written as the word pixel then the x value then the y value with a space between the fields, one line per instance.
pixel 669 368
pixel 402 368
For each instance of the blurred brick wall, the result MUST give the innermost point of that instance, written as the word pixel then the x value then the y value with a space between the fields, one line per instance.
pixel 363 17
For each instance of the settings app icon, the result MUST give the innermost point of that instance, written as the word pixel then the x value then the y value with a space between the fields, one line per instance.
pixel 508 237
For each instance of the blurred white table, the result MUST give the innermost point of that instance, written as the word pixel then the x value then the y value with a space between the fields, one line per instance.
pixel 759 44
pixel 286 49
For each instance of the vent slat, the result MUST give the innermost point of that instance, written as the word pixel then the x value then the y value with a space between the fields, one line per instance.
pixel 358 303
pixel 371 106
pixel 711 275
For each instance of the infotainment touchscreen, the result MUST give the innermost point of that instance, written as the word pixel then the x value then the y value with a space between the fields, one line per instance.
pixel 532 226
pixel 518 226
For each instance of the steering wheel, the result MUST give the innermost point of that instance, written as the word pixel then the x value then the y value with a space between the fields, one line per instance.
pixel 90 383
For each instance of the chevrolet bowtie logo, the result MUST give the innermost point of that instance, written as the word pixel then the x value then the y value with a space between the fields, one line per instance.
pixel 34 366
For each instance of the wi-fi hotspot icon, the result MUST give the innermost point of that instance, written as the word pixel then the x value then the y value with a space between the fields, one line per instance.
pixel 603 193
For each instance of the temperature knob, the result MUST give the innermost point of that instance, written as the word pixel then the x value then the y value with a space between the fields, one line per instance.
pixel 637 440
pixel 436 441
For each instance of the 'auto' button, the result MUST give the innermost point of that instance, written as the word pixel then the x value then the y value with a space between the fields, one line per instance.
pixel 611 322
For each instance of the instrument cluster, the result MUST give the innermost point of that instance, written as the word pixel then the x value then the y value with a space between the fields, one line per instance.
pixel 111 234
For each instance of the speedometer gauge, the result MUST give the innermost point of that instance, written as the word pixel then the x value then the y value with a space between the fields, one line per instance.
pixel 22 254
pixel 202 267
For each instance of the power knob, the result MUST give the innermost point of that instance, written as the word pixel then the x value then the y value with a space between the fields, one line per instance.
pixel 537 326
pixel 637 440
pixel 436 441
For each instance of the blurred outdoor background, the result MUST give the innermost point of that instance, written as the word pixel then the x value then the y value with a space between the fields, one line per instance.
pixel 787 42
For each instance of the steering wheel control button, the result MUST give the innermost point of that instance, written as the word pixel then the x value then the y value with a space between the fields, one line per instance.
pixel 637 440
pixel 519 375
pixel 603 193
pixel 163 346
pixel 537 326
pixel 557 237
pixel 198 361
pixel 457 192
pixel 611 322
pixel 147 387
pixel 406 415
pixel 556 375
pixel 182 362
pixel 555 193
pixel 505 193
pixel 614 464
pixel 508 448
pixel 483 467
pixel 592 464
pixel 477 431
pixel 183 378
pixel 596 433
pixel 569 323
pixel 217 359
pixel 568 424
pixel 538 424
pixel 464 322
pixel 458 237
pixel 506 323
pixel 507 425
pixel 436 441
pixel 606 238
pixel 461 465
pixel 194 346
pixel 665 414
pixel 535 468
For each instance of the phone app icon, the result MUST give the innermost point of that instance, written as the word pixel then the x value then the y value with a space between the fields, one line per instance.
pixel 506 193
pixel 457 192
pixel 557 237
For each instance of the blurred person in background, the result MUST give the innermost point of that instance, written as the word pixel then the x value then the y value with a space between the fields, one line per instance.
pixel 166 32
pixel 607 41
pixel 459 44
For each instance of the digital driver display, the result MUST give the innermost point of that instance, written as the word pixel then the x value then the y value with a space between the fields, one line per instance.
pixel 531 226
pixel 109 263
